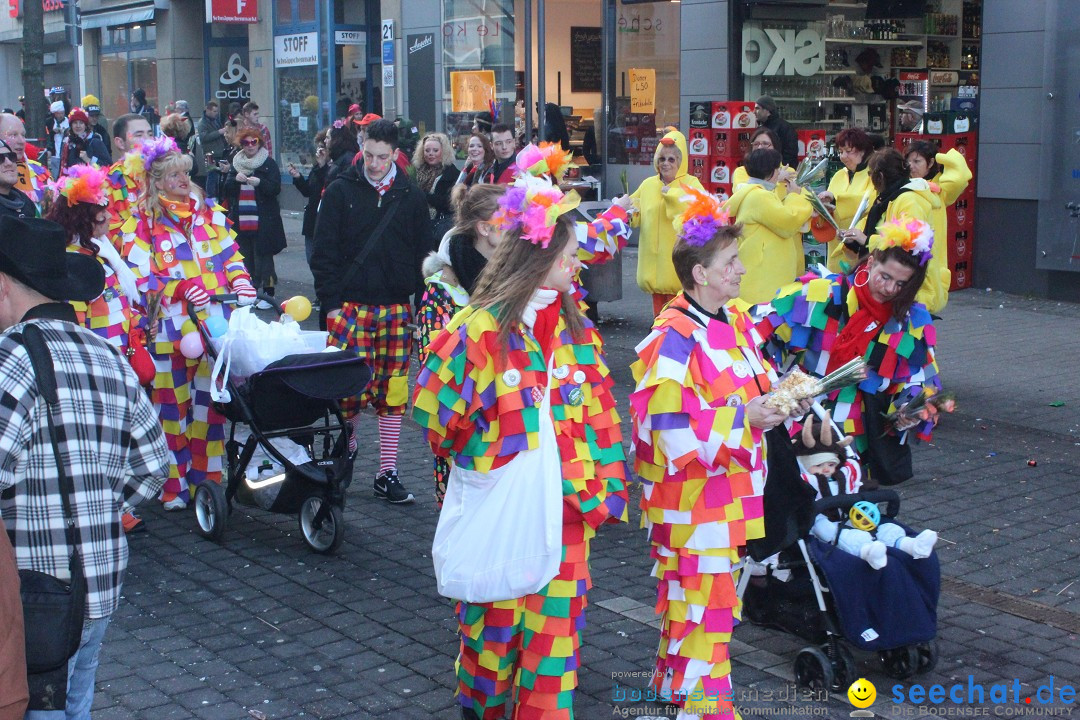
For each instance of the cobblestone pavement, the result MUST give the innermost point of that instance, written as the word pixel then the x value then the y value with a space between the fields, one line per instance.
pixel 260 627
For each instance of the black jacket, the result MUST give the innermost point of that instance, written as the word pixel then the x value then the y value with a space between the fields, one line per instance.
pixel 26 206
pixel 439 197
pixel 350 211
pixel 311 187
pixel 270 239
pixel 789 139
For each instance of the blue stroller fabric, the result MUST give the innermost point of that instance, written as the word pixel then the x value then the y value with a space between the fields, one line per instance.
pixel 886 608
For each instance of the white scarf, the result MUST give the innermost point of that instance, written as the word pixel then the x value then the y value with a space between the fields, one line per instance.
pixel 540 300
pixel 123 273
pixel 248 166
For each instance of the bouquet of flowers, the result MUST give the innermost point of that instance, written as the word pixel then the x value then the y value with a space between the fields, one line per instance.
pixel 927 405
pixel 820 209
pixel 810 172
pixel 797 386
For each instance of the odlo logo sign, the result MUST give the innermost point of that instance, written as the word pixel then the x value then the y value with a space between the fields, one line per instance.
pixel 235 74
pixel 782 52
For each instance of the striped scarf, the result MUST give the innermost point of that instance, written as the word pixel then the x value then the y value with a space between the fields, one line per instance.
pixel 247 212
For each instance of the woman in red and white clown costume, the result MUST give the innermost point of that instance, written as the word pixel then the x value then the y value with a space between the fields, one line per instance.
pixel 183 251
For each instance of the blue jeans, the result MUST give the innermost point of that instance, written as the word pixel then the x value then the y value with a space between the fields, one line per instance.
pixel 82 667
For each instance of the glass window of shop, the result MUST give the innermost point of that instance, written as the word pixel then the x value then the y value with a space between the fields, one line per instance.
pixel 228 77
pixel 647 37
pixel 477 35
pixel 298 47
pixel 128 61
pixel 351 56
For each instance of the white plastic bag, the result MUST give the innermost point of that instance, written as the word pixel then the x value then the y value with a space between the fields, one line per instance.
pixel 499 534
pixel 251 344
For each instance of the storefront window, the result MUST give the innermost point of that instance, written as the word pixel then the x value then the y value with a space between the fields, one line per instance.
pixel 298 114
pixel 228 76
pixel 647 37
pixel 351 45
pixel 476 35
pixel 128 61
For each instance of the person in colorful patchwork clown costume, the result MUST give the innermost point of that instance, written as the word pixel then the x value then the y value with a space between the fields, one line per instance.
pixel 451 272
pixel 522 345
pixel 820 323
pixel 182 252
pixel 80 205
pixel 700 419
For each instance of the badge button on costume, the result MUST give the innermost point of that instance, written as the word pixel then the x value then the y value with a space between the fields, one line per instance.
pixel 561 372
pixel 511 378
pixel 579 376
pixel 576 397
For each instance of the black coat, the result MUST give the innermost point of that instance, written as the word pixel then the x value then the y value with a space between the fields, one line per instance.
pixel 350 211
pixel 311 187
pixel 26 207
pixel 270 239
pixel 789 139
pixel 439 197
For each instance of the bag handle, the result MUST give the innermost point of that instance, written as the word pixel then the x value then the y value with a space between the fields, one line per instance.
pixel 41 362
pixel 373 240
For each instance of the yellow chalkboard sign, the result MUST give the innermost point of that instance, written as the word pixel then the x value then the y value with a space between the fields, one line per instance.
pixel 643 90
pixel 470 90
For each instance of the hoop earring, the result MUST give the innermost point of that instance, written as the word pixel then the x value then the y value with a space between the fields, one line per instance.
pixel 866 278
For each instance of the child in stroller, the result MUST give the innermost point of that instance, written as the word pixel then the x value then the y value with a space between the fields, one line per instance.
pixel 825 465
pixel 818 591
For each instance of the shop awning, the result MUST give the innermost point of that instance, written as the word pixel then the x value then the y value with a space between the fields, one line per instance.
pixel 116 16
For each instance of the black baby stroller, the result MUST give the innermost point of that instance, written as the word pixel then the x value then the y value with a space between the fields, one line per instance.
pixel 295 398
pixel 829 597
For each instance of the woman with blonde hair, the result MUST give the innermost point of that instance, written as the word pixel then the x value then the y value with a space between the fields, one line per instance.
pixel 436 174
pixel 516 386
pixel 181 251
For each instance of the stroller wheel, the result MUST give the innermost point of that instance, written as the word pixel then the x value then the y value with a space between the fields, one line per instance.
pixel 813 670
pixel 928 656
pixel 327 537
pixel 211 510
pixel 900 663
pixel 844 672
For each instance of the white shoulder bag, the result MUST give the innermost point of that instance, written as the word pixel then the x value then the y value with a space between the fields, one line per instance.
pixel 499 535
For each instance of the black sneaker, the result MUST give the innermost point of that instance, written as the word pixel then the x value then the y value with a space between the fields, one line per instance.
pixel 389 488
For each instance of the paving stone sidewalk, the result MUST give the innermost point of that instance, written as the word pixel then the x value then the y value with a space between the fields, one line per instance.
pixel 260 627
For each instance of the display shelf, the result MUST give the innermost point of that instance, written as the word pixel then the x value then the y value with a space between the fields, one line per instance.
pixel 971 40
pixel 838 72
pixel 945 37
pixel 846 6
pixel 860 41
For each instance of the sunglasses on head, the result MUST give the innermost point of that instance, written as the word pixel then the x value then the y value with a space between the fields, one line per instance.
pixel 10 157
pixel 249 142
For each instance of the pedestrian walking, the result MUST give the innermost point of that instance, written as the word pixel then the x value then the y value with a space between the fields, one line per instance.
pixel 659 202
pixel 768 115
pixel 81 146
pixel 371 237
pixel 251 188
pixel 64 518
pixel 516 388
pixel 126 179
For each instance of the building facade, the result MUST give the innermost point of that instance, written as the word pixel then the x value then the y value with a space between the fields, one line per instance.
pixel 621 71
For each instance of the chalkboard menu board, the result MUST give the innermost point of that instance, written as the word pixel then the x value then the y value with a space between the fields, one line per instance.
pixel 586 59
